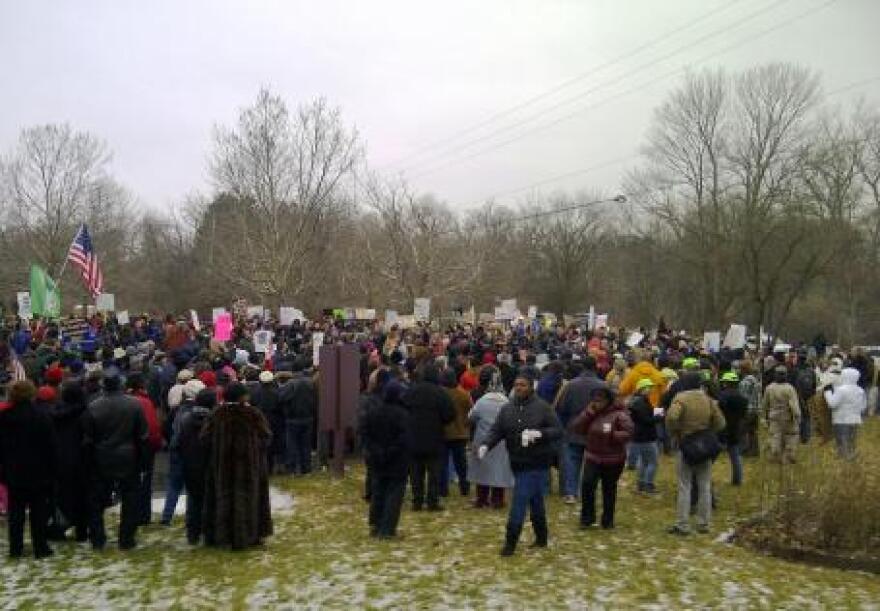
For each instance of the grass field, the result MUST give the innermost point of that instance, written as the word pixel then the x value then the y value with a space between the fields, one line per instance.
pixel 321 557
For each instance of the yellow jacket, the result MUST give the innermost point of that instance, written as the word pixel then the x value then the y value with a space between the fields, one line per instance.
pixel 642 370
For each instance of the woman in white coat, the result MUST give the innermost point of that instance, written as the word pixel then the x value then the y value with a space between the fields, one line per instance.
pixel 492 473
pixel 847 402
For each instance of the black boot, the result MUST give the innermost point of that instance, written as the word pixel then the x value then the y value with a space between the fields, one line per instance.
pixel 510 540
pixel 541 531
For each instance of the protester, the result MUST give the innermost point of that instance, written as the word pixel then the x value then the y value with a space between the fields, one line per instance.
pixel 386 439
pixel 694 418
pixel 71 483
pixel 116 440
pixel 237 511
pixel 298 399
pixel 782 413
pixel 430 410
pixel 750 388
pixel 491 474
pixel 135 384
pixel 531 431
pixel 456 434
pixel 847 402
pixel 644 439
pixel 28 463
pixel 191 447
pixel 734 406
pixel 176 481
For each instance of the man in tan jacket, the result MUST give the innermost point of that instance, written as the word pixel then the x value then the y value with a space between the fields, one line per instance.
pixel 691 411
pixel 782 412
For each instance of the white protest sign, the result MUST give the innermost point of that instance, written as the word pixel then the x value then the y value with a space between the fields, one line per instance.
pixel 287 315
pixel 217 313
pixel 255 311
pixel 390 318
pixel 194 316
pixel 407 321
pixel 735 337
pixel 317 342
pixel 106 302
pixel 634 338
pixel 262 341
pixel 370 314
pixel 712 341
pixel 422 309
pixel 502 314
pixel 24 305
pixel 601 321
pixel 122 317
pixel 509 307
pixel 533 312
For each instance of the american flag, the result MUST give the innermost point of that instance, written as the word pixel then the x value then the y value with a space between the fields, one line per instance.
pixel 82 255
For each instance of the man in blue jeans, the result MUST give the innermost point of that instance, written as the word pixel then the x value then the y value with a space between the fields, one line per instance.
pixel 298 399
pixel 531 431
pixel 574 398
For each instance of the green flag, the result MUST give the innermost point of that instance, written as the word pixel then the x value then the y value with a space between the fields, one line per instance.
pixel 45 297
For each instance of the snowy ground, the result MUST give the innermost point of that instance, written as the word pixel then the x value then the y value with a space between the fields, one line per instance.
pixel 321 557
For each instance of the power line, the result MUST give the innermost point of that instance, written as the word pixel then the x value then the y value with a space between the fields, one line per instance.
pixel 853 86
pixel 561 86
pixel 626 92
pixel 601 86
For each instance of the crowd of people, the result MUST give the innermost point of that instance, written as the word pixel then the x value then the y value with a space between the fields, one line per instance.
pixel 492 408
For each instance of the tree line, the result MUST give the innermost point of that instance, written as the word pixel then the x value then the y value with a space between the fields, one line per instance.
pixel 756 200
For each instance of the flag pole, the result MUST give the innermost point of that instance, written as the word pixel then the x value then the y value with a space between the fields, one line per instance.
pixel 64 264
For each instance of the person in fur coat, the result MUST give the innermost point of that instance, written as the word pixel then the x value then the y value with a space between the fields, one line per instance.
pixel 237 513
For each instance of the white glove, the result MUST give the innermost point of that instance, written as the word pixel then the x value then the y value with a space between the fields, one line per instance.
pixel 659 412
pixel 482 451
pixel 526 438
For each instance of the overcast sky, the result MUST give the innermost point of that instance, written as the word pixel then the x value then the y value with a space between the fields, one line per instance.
pixel 152 78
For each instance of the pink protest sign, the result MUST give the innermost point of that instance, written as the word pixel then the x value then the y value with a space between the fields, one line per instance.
pixel 223 327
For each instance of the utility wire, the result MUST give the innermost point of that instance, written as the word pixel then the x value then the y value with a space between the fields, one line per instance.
pixel 626 92
pixel 560 87
pixel 622 77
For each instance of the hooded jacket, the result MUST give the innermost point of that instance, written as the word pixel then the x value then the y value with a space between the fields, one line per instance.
pixel 28 450
pixel 605 448
pixel 847 400
pixel 517 416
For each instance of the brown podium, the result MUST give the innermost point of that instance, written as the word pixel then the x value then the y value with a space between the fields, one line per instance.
pixel 338 389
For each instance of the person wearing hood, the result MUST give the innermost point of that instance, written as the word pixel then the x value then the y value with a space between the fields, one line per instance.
pixel 782 413
pixel 492 474
pixel 176 482
pixel 532 433
pixel 385 437
pixel 607 426
pixel 847 402
pixel 187 441
pixel 644 439
pixel 28 461
pixel 71 484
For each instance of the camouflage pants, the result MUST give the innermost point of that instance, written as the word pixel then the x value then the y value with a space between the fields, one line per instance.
pixel 782 443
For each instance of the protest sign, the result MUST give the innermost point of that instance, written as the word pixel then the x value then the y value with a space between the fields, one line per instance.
pixel 634 338
pixel 262 340
pixel 601 321
pixel 106 302
pixel 223 327
pixel 390 318
pixel 255 312
pixel 317 342
pixel 122 317
pixel 24 305
pixel 422 309
pixel 509 307
pixel 712 341
pixel 735 337
pixel 194 316
pixel 533 312
pixel 287 315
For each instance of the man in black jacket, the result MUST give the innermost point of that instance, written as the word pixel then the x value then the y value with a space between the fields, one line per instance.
pixel 115 438
pixel 573 399
pixel 430 410
pixel 532 433
pixel 298 400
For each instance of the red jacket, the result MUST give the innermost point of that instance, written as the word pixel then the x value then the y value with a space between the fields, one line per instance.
pixel 604 448
pixel 155 437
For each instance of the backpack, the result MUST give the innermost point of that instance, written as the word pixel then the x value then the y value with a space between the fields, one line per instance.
pixel 699 447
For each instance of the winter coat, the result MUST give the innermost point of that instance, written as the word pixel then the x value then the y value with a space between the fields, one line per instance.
pixel 155 431
pixel 298 399
pixel 517 416
pixel 188 441
pixel 494 469
pixel 458 429
pixel 548 386
pixel 430 411
pixel 604 448
pixel 639 371
pixel 734 407
pixel 644 422
pixel 574 399
pixel 385 436
pixel 692 411
pixel 71 473
pixel 116 436
pixel 28 448
pixel 781 407
pixel 237 512
pixel 847 401
pixel 269 405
